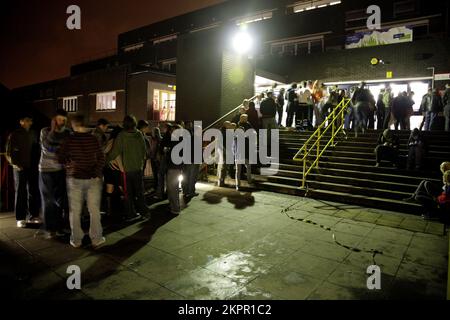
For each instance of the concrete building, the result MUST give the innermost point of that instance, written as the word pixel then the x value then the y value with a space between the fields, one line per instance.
pixel 185 68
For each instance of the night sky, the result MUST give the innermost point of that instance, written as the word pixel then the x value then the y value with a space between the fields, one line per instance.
pixel 36 46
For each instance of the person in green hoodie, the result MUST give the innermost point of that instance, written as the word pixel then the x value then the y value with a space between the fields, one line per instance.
pixel 131 146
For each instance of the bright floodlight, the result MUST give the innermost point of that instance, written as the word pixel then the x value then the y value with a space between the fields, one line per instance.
pixel 242 42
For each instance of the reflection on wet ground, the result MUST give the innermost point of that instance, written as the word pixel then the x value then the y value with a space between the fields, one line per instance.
pixel 238 245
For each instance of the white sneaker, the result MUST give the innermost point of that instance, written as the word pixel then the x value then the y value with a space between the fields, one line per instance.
pixel 35 220
pixel 21 224
pixel 98 243
pixel 75 245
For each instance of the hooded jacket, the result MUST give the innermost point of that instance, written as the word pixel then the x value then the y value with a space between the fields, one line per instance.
pixel 131 146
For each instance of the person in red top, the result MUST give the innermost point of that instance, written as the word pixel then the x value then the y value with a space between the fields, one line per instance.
pixel 84 159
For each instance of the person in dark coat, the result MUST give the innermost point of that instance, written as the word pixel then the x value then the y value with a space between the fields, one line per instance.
pixel 416 150
pixel 387 149
pixel 400 110
pixel 22 153
pixel 253 117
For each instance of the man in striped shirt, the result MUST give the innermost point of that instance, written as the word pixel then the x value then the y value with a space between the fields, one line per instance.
pixel 83 158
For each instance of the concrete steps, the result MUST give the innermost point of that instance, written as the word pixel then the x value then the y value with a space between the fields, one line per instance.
pixel 347 172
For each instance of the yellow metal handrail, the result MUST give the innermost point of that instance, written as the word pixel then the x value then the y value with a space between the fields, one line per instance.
pixel 229 113
pixel 331 121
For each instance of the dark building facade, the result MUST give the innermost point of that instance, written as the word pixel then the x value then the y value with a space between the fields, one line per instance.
pixel 183 67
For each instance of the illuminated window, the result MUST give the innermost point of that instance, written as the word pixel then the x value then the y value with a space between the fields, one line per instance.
pixel 106 101
pixel 70 104
pixel 308 5
pixel 254 18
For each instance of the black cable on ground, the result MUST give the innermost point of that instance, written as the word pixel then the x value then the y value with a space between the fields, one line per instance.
pixel 374 252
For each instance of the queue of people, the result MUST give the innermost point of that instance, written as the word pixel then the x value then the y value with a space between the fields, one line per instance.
pixel 71 168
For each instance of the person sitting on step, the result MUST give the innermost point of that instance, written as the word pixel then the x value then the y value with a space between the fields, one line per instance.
pixel 387 149
pixel 434 199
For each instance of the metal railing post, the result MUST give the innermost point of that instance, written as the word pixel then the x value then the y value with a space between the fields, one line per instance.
pixel 333 126
pixel 318 148
pixel 304 174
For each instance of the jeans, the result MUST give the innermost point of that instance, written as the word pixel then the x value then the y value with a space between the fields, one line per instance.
pixel 447 117
pixel 381 114
pixel 80 190
pixel 415 157
pixel 222 166
pixel 387 118
pixel 425 194
pixel 190 178
pixel 155 171
pixel 173 190
pixel 386 153
pixel 400 120
pixel 433 118
pixel 292 114
pixel 268 123
pixel 348 118
pixel 27 199
pixel 361 116
pixel 162 170
pixel 239 170
pixel 134 193
pixel 54 200
pixel 280 115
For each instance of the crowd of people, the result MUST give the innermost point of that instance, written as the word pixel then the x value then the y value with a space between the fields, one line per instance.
pixel 307 105
pixel 69 164
pixel 71 169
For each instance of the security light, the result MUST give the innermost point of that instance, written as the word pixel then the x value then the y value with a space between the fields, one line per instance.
pixel 242 42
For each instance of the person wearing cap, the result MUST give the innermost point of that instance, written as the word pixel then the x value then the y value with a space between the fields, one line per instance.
pixel 22 153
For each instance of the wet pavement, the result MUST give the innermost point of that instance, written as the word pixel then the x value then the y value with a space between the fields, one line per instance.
pixel 237 245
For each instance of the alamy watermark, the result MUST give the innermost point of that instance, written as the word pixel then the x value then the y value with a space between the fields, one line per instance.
pixel 374 280
pixel 240 147
pixel 74 280
pixel 374 20
pixel 73 22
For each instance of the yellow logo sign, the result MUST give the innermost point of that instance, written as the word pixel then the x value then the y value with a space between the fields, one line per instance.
pixel 389 74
